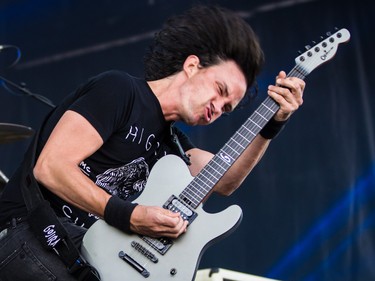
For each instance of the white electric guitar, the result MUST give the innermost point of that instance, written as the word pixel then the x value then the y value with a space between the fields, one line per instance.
pixel 119 256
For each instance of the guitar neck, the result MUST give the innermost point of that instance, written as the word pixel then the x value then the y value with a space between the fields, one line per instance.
pixel 201 186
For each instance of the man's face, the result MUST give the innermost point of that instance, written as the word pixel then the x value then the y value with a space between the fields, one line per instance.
pixel 209 92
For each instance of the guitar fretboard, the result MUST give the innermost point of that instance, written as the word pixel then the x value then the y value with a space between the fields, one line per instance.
pixel 204 182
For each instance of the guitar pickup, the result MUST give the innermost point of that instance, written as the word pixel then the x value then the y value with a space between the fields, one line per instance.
pixel 161 245
pixel 176 205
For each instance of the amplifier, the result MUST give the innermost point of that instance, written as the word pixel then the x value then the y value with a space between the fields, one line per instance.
pixel 220 274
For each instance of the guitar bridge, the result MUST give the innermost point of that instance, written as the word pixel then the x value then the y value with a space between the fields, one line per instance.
pixel 144 251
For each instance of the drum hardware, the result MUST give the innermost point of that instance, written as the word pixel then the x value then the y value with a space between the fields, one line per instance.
pixel 3 181
pixel 13 132
pixel 21 88
pixel 3 178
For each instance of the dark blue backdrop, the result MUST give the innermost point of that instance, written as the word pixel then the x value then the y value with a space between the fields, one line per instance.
pixel 309 205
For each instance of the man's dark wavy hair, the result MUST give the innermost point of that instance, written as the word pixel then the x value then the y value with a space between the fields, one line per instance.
pixel 212 33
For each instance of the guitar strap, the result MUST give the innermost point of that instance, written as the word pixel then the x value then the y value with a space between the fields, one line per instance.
pixel 45 224
pixel 176 142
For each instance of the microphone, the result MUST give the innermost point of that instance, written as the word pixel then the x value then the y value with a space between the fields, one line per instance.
pixel 3 47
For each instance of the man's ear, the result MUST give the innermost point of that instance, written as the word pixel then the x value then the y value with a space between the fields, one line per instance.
pixel 191 65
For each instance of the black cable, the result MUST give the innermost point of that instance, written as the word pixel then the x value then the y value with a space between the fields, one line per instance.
pixel 21 88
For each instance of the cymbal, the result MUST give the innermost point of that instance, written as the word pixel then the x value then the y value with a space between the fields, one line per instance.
pixel 12 132
pixel 3 179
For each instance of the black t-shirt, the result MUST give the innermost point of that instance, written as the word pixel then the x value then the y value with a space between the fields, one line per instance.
pixel 128 117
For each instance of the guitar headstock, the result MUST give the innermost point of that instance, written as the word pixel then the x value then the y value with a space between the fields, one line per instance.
pixel 322 52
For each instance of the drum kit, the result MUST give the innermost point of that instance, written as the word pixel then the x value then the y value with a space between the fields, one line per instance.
pixel 11 133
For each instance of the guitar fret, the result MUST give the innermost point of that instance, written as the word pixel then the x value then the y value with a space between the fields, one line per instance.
pixel 191 194
pixel 250 131
pixel 218 163
pixel 187 194
pixel 198 187
pixel 298 70
pixel 208 178
pixel 256 124
pixel 197 191
pixel 210 173
pixel 199 180
pixel 238 144
pixel 195 188
pixel 200 196
pixel 270 103
pixel 270 109
pixel 194 202
pixel 224 160
pixel 231 148
pixel 260 115
pixel 211 177
pixel 203 182
pixel 244 137
pixel 266 113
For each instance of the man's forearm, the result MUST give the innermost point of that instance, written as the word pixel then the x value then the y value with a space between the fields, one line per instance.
pixel 233 178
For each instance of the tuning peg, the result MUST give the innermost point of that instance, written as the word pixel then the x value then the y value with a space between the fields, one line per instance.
pixel 329 33
pixel 307 47
pixel 299 52
pixel 314 42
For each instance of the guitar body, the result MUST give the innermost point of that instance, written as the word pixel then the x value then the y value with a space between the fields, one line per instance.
pixel 102 243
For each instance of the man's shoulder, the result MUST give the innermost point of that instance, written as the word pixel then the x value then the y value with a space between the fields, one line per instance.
pixel 113 74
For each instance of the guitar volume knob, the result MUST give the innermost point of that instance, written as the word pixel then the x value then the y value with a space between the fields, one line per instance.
pixel 173 271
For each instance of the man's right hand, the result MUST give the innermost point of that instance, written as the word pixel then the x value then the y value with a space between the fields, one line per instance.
pixel 157 222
